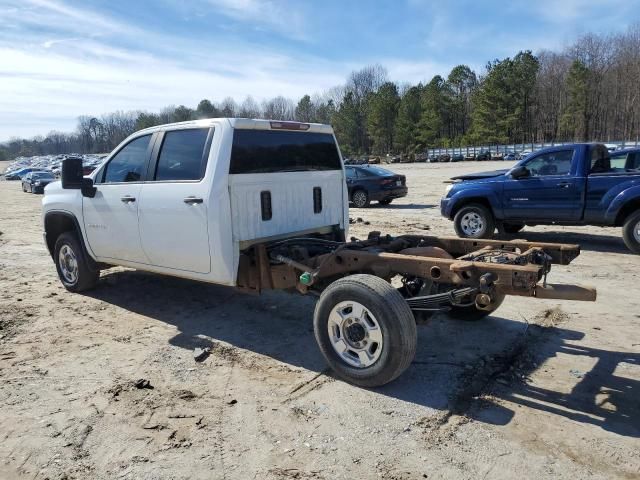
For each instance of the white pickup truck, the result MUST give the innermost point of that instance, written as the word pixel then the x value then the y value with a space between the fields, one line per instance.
pixel 257 204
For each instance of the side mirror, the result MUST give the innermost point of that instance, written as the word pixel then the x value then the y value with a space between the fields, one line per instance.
pixel 72 173
pixel 520 172
pixel 72 178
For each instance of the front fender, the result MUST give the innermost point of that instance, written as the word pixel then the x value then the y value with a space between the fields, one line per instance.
pixel 618 199
pixel 480 193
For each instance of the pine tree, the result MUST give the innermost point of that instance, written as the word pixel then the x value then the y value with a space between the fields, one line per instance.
pixel 382 114
pixel 409 114
pixel 574 121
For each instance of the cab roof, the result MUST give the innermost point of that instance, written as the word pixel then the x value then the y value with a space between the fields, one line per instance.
pixel 245 124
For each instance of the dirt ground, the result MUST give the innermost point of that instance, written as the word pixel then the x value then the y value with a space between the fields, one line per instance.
pixel 541 389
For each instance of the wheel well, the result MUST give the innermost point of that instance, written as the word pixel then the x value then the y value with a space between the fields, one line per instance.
pixel 480 200
pixel 627 210
pixel 56 224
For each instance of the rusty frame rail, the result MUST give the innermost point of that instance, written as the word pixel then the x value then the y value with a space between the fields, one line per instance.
pixel 373 256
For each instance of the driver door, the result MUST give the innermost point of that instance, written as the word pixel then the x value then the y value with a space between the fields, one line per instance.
pixel 111 217
pixel 549 193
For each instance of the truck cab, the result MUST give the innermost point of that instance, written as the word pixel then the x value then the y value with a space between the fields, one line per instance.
pixel 186 199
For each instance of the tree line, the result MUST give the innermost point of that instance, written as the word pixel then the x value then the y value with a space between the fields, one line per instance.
pixel 588 91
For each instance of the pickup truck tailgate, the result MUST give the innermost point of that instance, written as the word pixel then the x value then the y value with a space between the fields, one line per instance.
pixel 267 205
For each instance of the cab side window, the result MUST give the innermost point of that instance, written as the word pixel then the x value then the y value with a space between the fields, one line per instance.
pixel 619 162
pixel 183 156
pixel 129 163
pixel 554 163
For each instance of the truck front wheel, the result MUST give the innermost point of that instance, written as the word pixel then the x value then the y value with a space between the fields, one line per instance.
pixel 365 330
pixel 474 221
pixel 72 265
pixel 631 232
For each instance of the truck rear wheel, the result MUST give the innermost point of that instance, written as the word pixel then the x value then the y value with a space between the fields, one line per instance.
pixel 365 330
pixel 72 265
pixel 474 221
pixel 631 232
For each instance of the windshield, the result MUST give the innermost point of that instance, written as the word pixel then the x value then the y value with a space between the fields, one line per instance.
pixel 267 151
pixel 42 175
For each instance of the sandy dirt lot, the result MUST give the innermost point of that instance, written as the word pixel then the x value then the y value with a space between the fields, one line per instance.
pixel 542 389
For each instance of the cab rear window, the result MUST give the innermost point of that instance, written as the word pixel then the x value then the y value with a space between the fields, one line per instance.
pixel 268 151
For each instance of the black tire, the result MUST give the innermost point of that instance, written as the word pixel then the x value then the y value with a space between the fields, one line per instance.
pixel 24 189
pixel 472 313
pixel 631 232
pixel 482 213
pixel 386 201
pixel 396 323
pixel 360 198
pixel 512 227
pixel 86 277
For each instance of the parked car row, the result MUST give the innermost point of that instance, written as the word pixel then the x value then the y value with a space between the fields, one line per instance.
pixel 21 166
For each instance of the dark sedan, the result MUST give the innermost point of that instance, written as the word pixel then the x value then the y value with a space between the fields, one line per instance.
pixel 367 183
pixel 35 182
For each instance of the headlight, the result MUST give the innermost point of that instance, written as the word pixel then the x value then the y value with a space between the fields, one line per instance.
pixel 448 189
pixel 37 183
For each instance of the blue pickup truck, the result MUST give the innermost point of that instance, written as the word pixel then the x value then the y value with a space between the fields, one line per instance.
pixel 565 185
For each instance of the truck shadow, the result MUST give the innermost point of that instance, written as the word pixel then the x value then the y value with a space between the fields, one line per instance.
pixel 456 362
pixel 587 241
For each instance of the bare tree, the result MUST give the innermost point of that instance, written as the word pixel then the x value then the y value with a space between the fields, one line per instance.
pixel 278 108
pixel 249 108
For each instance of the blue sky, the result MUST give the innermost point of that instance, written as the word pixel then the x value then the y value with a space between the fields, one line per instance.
pixel 60 59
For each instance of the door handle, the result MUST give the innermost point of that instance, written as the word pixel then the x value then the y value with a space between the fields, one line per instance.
pixel 192 200
pixel 564 184
pixel 128 199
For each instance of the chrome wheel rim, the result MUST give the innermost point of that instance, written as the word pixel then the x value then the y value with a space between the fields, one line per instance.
pixel 472 224
pixel 355 334
pixel 359 198
pixel 68 264
pixel 636 232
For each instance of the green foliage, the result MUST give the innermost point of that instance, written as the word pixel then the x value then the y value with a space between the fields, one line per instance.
pixel 434 102
pixel 304 110
pixel 345 123
pixel 502 105
pixel 182 114
pixel 409 114
pixel 382 113
pixel 146 120
pixel 206 109
pixel 574 119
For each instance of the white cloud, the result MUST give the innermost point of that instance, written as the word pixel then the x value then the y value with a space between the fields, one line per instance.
pixel 53 70
pixel 280 17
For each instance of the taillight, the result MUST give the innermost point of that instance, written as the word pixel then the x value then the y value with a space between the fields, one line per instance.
pixel 387 181
pixel 289 126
